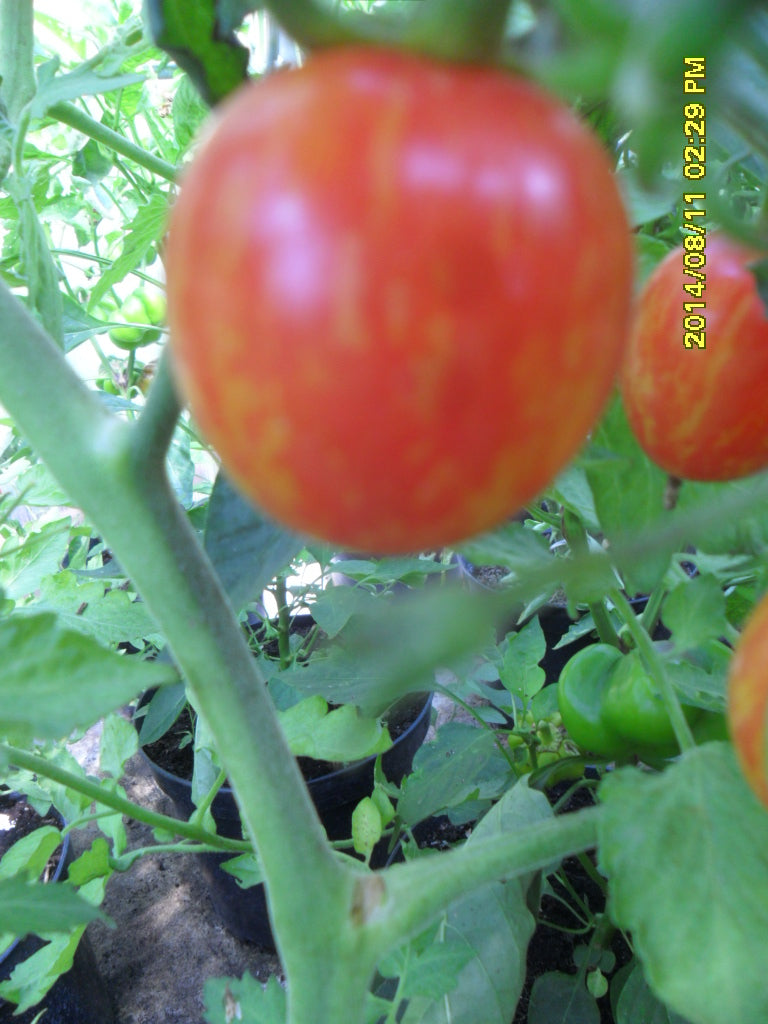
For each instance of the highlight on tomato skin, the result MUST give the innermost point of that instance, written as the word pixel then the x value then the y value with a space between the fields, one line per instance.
pixel 747 709
pixel 390 302
pixel 701 414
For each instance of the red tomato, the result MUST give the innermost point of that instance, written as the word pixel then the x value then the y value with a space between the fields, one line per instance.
pixel 701 413
pixel 748 700
pixel 398 295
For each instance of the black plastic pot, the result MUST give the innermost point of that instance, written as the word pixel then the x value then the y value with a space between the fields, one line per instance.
pixel 335 795
pixel 79 996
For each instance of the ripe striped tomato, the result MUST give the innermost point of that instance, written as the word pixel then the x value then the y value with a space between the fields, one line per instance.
pixel 398 295
pixel 700 413
pixel 748 700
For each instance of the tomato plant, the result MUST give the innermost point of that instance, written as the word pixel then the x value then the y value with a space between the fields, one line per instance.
pixel 698 412
pixel 386 277
pixel 748 700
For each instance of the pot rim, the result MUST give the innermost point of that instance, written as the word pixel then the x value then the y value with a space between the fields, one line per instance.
pixel 317 780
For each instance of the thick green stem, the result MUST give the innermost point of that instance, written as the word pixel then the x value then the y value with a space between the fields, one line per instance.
pixel 655 668
pixel 457 30
pixel 283 622
pixel 76 118
pixel 100 794
pixel 314 25
pixel 409 895
pixel 578 539
pixel 92 455
pixel 16 55
pixel 154 429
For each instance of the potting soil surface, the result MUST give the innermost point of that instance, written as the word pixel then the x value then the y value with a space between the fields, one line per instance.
pixel 168 939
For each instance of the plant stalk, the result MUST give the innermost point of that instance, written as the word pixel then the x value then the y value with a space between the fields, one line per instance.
pixel 411 894
pixel 92 455
pixel 16 55
pixel 78 119
pixel 655 668
pixel 101 795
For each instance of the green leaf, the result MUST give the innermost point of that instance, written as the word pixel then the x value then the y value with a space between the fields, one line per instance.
pixel 93 863
pixel 460 764
pixel 54 681
pixel 512 545
pixel 638 1003
pixel 427 966
pixel 392 650
pixel 32 979
pixel 119 742
pixel 78 325
pixel 22 571
pixel 41 273
pixel 336 605
pixel 91 162
pixel 40 488
pixel 646 204
pixel 188 112
pixel 146 228
pixel 571 489
pixel 245 868
pixel 192 35
pixel 495 923
pixel 520 671
pixel 80 82
pixel 558 998
pixel 685 854
pixel 728 534
pixel 109 616
pixel 244 999
pixel 339 735
pixel 29 855
pixel 694 611
pixel 628 490
pixel 161 712
pixel 28 908
pixel 246 549
pixel 649 252
pixel 366 826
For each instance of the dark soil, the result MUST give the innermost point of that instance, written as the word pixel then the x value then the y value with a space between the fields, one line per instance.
pixel 18 819
pixel 553 943
pixel 168 939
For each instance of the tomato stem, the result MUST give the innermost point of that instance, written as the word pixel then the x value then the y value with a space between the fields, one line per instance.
pixel 457 30
pixel 98 793
pixel 76 118
pixel 283 622
pixel 316 26
pixel 153 431
pixel 575 533
pixel 16 55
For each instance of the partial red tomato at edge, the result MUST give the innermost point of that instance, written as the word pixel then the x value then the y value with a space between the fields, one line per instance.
pixel 398 295
pixel 748 700
pixel 701 413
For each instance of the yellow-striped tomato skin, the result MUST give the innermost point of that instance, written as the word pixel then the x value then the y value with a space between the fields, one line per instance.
pixel 700 413
pixel 398 295
pixel 748 700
